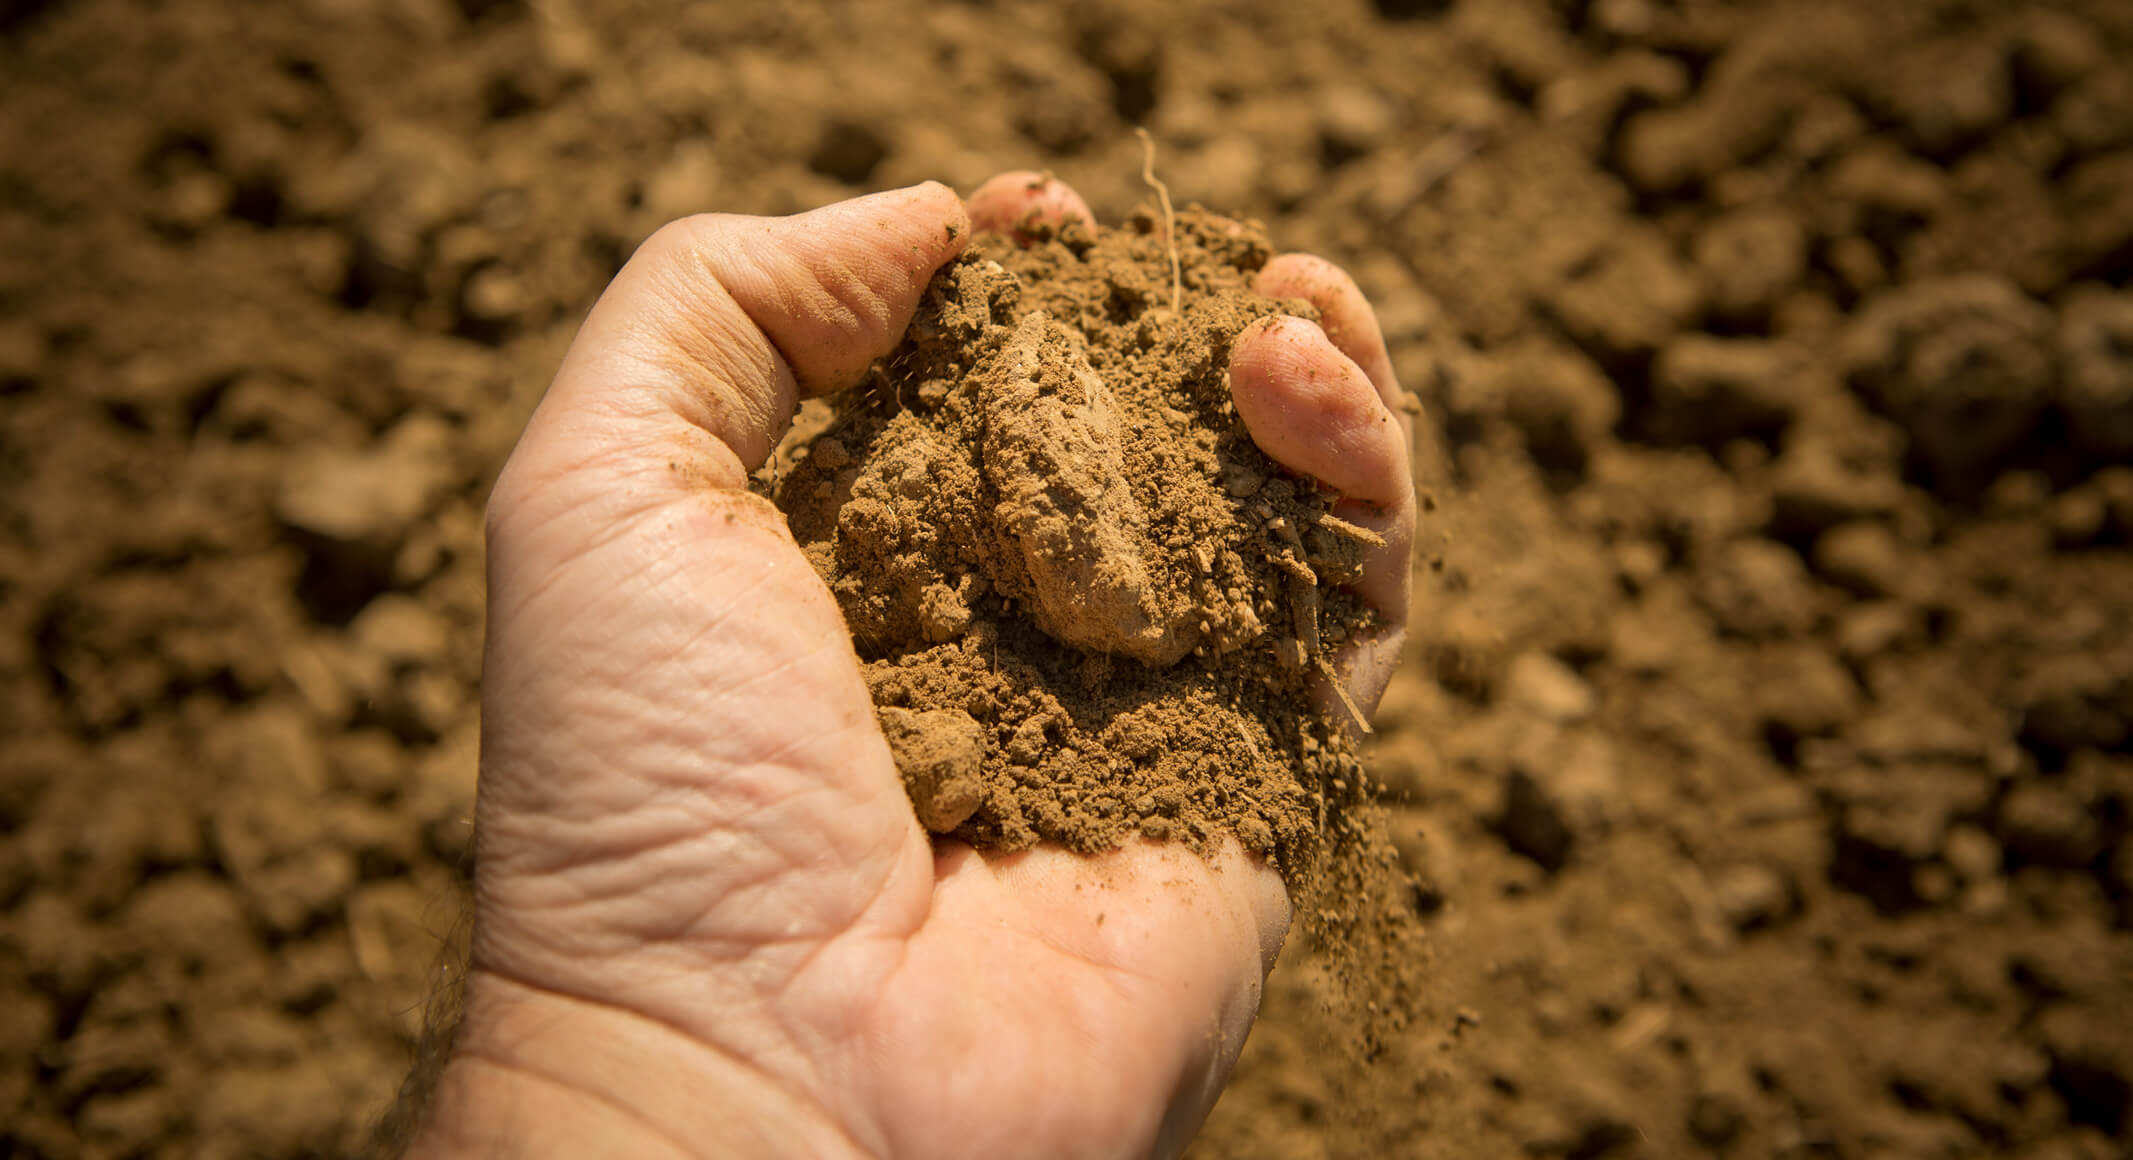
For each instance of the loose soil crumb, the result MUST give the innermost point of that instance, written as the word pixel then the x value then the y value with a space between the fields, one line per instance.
pixel 1088 605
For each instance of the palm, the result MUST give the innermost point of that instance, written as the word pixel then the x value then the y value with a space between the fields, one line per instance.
pixel 942 986
pixel 691 837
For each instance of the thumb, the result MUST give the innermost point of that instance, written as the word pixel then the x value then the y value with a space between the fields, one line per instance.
pixel 721 323
pixel 665 674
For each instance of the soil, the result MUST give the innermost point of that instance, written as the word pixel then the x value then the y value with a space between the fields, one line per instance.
pixel 1765 746
pixel 1089 606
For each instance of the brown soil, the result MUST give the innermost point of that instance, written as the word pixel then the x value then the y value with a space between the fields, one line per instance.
pixel 1089 606
pixel 1766 745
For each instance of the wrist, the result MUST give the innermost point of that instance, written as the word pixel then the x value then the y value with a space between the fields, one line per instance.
pixel 534 1073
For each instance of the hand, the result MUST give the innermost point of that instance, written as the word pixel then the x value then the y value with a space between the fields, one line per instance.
pixel 706 922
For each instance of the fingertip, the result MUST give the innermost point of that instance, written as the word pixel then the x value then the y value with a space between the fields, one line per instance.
pixel 935 203
pixel 1012 201
pixel 1344 312
pixel 931 191
pixel 1312 409
pixel 919 227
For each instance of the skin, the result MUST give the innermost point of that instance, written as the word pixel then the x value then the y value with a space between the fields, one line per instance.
pixel 706 922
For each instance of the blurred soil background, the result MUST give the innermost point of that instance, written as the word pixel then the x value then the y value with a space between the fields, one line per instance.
pixel 1766 750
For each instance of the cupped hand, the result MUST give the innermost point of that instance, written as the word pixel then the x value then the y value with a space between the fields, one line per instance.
pixel 706 922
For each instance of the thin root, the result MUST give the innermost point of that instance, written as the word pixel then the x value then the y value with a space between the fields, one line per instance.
pixel 1170 218
pixel 1304 602
pixel 1295 567
pixel 1340 690
pixel 1360 535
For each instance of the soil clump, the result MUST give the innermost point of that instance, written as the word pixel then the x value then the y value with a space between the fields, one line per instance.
pixel 1088 606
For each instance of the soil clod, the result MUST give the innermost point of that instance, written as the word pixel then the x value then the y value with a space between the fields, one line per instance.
pixel 1065 562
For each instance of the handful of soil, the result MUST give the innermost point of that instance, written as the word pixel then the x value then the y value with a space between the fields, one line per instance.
pixel 1088 606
